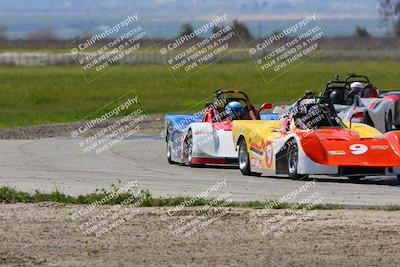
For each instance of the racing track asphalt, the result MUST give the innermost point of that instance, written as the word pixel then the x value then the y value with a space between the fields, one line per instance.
pixel 59 163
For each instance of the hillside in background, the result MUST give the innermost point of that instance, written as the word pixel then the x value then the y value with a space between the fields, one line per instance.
pixel 69 18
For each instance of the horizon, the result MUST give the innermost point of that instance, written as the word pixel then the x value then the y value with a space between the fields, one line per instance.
pixel 69 19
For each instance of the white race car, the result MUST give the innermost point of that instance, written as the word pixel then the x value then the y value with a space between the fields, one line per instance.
pixel 206 137
pixel 356 94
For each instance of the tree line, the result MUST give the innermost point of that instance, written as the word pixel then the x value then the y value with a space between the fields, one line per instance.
pixel 389 11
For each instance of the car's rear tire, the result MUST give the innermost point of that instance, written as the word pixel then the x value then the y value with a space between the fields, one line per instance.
pixel 389 122
pixel 292 163
pixel 367 120
pixel 398 177
pixel 244 160
pixel 189 148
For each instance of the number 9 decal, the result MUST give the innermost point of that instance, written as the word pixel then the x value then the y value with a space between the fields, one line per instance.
pixel 358 149
pixel 269 155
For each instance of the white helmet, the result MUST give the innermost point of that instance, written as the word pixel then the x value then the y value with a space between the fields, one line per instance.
pixel 358 86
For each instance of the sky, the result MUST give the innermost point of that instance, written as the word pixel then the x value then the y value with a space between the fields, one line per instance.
pixel 164 17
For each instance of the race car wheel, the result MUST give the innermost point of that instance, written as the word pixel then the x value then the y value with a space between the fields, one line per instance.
pixel 389 122
pixel 292 163
pixel 169 153
pixel 355 178
pixel 398 177
pixel 244 160
pixel 189 147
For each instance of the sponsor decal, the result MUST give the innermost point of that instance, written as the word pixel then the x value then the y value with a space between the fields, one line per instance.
pixel 379 147
pixel 336 153
pixel 269 154
pixel 256 149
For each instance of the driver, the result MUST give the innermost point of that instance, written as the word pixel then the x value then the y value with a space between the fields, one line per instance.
pixel 314 114
pixel 364 90
pixel 318 116
pixel 234 110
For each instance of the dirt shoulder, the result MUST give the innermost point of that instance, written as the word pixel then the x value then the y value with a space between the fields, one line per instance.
pixel 151 125
pixel 44 234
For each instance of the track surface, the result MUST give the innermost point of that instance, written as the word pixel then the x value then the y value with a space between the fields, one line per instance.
pixel 59 163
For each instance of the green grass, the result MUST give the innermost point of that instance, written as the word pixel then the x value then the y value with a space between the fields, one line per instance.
pixel 52 94
pixel 10 195
pixel 392 208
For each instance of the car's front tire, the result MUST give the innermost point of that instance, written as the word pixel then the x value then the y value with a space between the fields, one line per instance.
pixel 244 160
pixel 293 162
pixel 189 150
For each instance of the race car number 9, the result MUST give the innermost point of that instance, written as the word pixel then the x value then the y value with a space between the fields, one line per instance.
pixel 358 149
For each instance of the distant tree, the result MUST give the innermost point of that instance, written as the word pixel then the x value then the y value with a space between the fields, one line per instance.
pixel 3 31
pixel 186 29
pixel 361 32
pixel 389 10
pixel 42 34
pixel 241 29
pixel 216 29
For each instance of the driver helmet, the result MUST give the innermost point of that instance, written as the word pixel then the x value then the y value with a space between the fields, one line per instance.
pixel 358 87
pixel 337 97
pixel 234 109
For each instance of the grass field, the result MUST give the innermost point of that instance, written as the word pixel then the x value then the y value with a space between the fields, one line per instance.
pixel 40 95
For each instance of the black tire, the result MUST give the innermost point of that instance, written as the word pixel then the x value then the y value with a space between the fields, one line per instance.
pixel 244 160
pixel 189 148
pixel 292 163
pixel 368 120
pixel 389 122
pixel 398 177
pixel 355 178
pixel 169 153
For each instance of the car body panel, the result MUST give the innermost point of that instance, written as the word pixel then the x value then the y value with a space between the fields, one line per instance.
pixel 394 96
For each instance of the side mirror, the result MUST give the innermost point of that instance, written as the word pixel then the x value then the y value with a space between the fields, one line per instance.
pixel 357 115
pixel 266 106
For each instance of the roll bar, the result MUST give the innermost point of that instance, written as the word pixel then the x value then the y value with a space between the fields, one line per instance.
pixel 352 77
pixel 219 92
